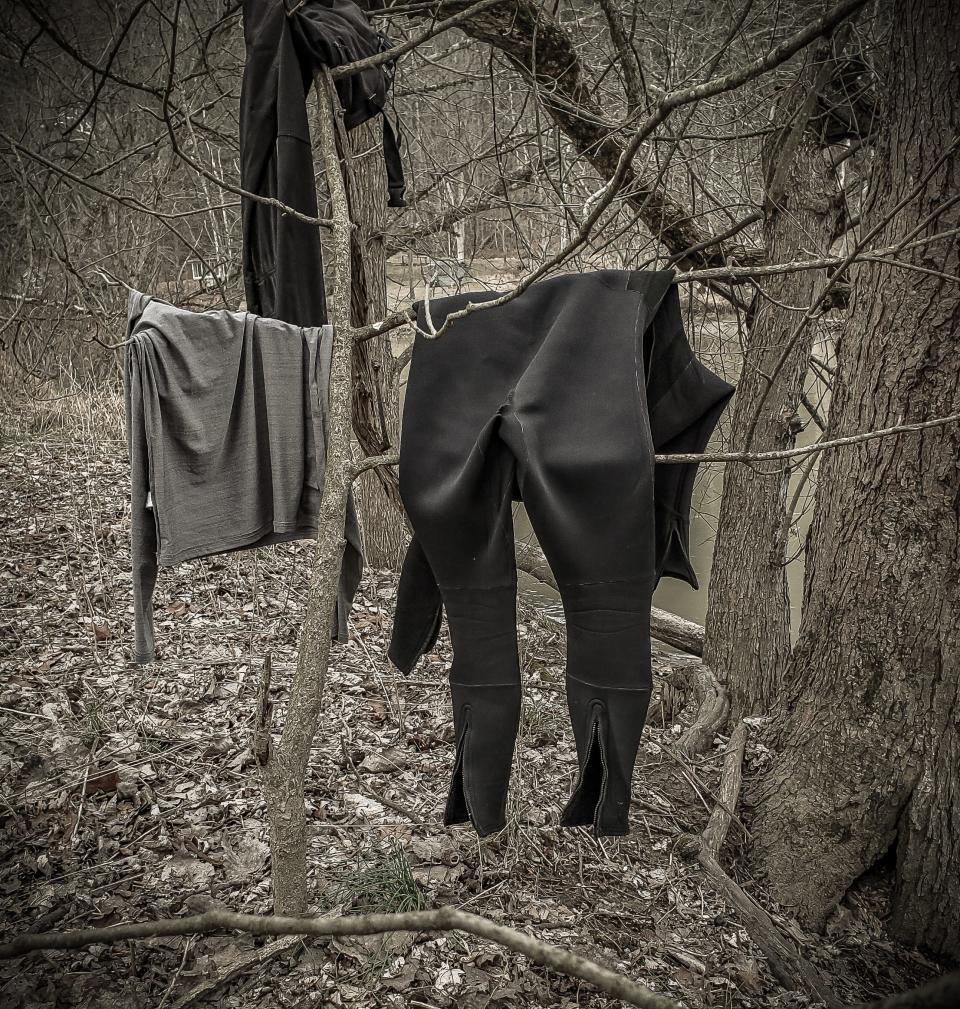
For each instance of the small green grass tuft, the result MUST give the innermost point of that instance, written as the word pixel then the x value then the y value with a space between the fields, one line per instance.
pixel 379 881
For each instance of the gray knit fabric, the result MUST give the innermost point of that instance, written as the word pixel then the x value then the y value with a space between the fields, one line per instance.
pixel 226 427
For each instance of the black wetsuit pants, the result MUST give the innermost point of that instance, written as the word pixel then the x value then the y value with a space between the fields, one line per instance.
pixel 543 402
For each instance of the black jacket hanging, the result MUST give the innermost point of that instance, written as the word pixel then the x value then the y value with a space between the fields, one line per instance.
pixel 560 398
pixel 282 262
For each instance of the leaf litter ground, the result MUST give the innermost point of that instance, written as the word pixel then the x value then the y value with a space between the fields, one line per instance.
pixel 130 793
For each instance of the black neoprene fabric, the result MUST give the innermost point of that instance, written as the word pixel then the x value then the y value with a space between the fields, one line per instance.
pixel 282 262
pixel 559 398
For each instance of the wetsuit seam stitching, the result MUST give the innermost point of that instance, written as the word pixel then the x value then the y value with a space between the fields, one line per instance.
pixel 472 686
pixel 601 686
pixel 604 581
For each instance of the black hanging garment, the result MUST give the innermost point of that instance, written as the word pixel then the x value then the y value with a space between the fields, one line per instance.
pixel 559 398
pixel 282 263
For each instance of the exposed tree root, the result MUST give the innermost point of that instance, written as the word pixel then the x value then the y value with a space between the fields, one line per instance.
pixel 787 964
pixel 713 706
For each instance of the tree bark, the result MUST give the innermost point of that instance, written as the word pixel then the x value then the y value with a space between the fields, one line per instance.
pixel 747 630
pixel 869 734
pixel 284 775
pixel 384 531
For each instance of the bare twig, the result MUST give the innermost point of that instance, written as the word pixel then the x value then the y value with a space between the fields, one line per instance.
pixel 818 446
pixel 395 52
pixel 733 274
pixel 205 172
pixel 834 280
pixel 128 201
pixel 668 104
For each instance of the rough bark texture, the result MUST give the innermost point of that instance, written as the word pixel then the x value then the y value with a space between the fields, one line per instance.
pixel 747 628
pixel 384 531
pixel 869 745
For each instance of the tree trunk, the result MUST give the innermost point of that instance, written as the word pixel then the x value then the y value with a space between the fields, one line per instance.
pixel 384 532
pixel 285 768
pixel 747 630
pixel 869 739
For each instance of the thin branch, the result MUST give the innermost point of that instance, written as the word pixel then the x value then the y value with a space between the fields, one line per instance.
pixel 734 229
pixel 372 461
pixel 819 446
pixel 48 28
pixel 105 76
pixel 127 201
pixel 394 53
pixel 735 274
pixel 836 277
pixel 674 100
pixel 165 107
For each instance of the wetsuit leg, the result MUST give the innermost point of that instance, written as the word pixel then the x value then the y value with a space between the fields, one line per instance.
pixel 578 426
pixel 458 493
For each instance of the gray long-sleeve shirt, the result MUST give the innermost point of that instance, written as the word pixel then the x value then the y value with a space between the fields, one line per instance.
pixel 226 425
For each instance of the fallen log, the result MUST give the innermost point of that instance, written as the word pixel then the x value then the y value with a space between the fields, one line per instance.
pixel 664 626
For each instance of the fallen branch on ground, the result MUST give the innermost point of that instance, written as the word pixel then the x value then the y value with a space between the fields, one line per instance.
pixel 787 964
pixel 441 919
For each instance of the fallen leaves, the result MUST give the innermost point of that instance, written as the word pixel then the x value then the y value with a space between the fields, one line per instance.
pixel 131 792
pixel 101 780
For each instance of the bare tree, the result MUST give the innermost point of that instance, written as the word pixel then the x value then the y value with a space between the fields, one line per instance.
pixel 554 137
pixel 747 638
pixel 867 732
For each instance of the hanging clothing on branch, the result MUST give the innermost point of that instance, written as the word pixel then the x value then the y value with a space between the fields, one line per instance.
pixel 282 262
pixel 559 398
pixel 226 429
